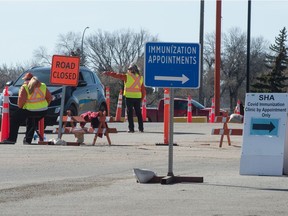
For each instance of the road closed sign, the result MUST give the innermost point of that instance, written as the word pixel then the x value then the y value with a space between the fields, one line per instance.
pixel 265 134
pixel 65 70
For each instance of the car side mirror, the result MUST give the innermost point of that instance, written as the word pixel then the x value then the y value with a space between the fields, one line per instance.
pixel 82 83
pixel 9 83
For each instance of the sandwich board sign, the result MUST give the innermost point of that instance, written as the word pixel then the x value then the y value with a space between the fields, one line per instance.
pixel 265 134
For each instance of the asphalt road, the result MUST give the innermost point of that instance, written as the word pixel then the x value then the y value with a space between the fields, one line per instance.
pixel 98 180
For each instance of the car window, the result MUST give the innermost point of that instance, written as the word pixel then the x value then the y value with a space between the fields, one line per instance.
pixel 180 105
pixel 87 76
pixel 96 78
pixel 80 76
pixel 42 75
pixel 197 104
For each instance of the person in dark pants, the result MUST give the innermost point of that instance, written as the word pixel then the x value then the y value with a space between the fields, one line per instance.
pixel 134 92
pixel 33 101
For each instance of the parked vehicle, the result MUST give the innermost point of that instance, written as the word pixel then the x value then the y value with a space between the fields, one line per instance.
pixel 156 114
pixel 87 96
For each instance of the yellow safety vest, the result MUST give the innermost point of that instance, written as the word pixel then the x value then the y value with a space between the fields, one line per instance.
pixel 36 100
pixel 132 88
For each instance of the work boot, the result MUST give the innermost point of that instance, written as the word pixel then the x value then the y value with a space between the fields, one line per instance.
pixel 7 142
pixel 25 141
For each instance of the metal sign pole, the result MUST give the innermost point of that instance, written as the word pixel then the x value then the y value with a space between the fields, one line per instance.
pixel 61 111
pixel 172 74
pixel 171 127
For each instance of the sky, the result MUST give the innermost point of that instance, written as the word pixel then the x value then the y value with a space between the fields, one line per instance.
pixel 27 25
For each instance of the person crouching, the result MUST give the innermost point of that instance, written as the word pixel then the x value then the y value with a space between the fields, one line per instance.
pixel 33 101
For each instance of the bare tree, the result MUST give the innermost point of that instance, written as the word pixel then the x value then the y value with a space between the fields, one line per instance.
pixel 42 57
pixel 233 65
pixel 68 43
pixel 9 74
pixel 209 63
pixel 115 51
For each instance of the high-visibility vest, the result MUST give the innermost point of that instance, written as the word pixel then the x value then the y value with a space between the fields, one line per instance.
pixel 132 88
pixel 36 100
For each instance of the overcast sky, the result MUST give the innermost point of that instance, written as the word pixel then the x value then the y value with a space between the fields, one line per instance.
pixel 27 25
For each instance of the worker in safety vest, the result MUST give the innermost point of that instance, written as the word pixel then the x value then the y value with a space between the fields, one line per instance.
pixel 134 92
pixel 33 101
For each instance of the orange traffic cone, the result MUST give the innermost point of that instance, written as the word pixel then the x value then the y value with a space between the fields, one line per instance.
pixel 212 112
pixel 108 99
pixel 166 115
pixel 5 123
pixel 237 110
pixel 144 111
pixel 189 110
pixel 41 129
pixel 119 107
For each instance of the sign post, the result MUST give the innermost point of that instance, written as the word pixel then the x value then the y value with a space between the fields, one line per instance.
pixel 172 65
pixel 64 71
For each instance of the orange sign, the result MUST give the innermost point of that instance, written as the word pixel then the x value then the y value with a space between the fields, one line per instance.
pixel 65 70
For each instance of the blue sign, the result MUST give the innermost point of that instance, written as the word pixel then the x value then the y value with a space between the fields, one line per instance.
pixel 260 126
pixel 172 65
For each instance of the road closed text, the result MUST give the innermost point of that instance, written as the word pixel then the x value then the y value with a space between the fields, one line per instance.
pixel 64 75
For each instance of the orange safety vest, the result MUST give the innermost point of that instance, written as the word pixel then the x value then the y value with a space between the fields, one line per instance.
pixel 132 88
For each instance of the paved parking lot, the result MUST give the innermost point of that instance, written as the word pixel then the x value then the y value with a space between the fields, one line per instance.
pixel 98 180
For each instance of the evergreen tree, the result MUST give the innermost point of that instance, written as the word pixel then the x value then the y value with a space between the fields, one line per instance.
pixel 275 79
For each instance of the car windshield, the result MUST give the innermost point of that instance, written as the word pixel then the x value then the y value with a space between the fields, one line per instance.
pixel 42 75
pixel 197 104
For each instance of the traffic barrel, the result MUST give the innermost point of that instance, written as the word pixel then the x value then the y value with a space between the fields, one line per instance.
pixel 166 115
pixel 212 112
pixel 144 111
pixel 189 110
pixel 5 122
pixel 108 99
pixel 119 107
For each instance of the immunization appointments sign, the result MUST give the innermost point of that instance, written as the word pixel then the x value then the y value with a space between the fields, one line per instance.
pixel 265 134
pixel 172 65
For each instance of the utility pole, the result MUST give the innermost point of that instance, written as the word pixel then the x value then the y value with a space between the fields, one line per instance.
pixel 217 58
pixel 248 48
pixel 201 38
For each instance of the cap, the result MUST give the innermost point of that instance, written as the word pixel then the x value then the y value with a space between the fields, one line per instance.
pixel 27 76
pixel 133 67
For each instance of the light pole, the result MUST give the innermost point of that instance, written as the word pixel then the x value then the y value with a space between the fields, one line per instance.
pixel 82 59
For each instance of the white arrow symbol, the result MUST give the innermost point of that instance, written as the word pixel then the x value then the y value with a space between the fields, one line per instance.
pixel 183 78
